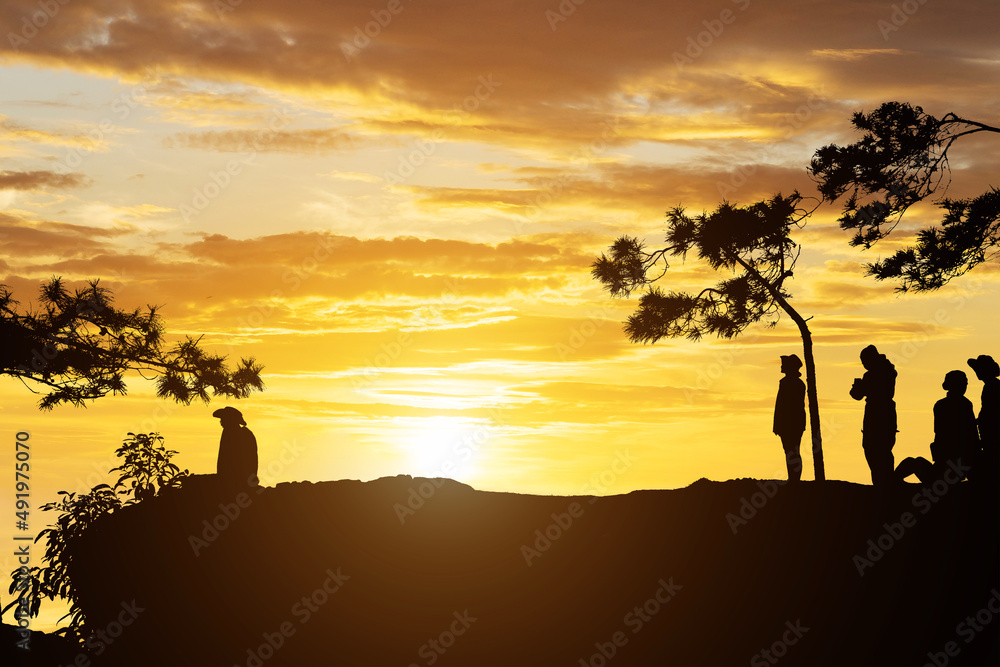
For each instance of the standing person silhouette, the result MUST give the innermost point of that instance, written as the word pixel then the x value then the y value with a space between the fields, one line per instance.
pixel 790 414
pixel 988 371
pixel 237 465
pixel 878 387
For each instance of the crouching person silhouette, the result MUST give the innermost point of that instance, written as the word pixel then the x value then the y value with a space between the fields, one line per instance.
pixel 956 440
pixel 237 466
pixel 790 414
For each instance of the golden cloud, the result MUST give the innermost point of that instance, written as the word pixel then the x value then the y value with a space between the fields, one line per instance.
pixel 40 180
pixel 268 140
pixel 548 80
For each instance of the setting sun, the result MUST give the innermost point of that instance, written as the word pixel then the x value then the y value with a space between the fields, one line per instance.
pixel 377 227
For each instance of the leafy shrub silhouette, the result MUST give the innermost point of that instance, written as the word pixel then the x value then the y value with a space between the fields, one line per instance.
pixel 145 471
pixel 147 467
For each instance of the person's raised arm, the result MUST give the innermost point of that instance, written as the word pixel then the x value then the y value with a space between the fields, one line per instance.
pixel 859 389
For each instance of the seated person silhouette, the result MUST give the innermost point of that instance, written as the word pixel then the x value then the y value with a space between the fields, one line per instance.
pixel 237 465
pixel 988 371
pixel 955 437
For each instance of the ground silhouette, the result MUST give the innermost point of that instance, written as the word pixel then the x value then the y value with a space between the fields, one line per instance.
pixel 416 571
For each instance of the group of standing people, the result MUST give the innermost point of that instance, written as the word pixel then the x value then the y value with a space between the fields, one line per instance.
pixel 962 441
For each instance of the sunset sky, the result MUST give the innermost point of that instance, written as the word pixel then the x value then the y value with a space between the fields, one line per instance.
pixel 394 206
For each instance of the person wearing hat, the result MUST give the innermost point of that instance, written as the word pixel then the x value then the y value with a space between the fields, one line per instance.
pixel 790 414
pixel 878 431
pixel 988 422
pixel 237 465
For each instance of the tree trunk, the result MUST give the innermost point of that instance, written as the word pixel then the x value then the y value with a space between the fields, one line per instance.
pixel 812 399
pixel 811 395
pixel 807 351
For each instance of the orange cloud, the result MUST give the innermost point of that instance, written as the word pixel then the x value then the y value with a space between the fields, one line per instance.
pixel 40 180
pixel 296 277
pixel 648 190
pixel 559 82
pixel 23 239
pixel 267 140
pixel 11 131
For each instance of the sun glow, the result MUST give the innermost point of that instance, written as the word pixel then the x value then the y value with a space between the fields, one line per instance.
pixel 445 447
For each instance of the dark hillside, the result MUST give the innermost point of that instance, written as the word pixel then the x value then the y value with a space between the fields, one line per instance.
pixel 652 577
